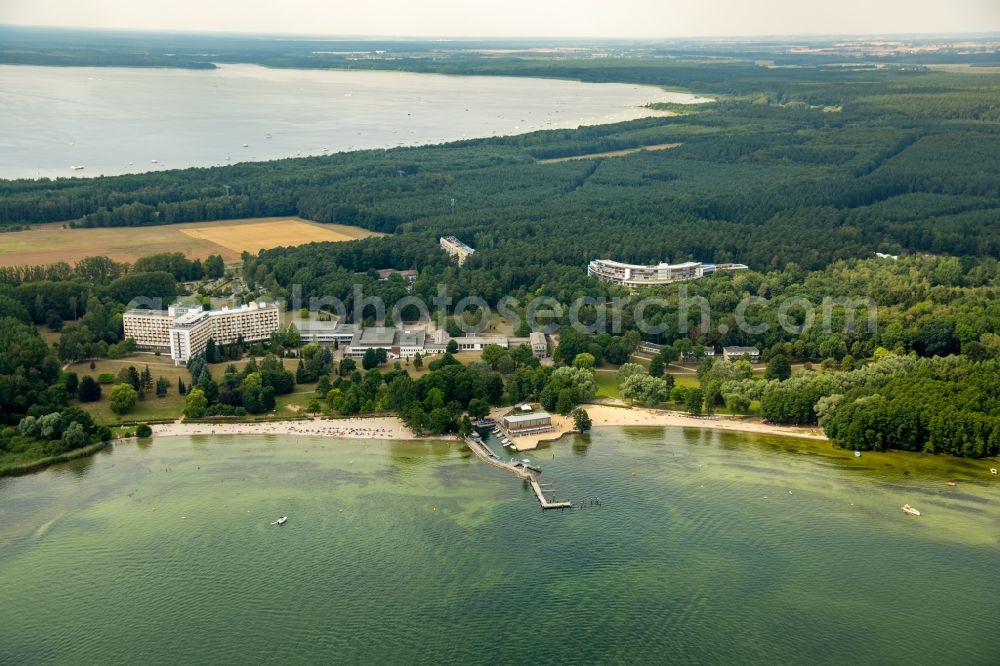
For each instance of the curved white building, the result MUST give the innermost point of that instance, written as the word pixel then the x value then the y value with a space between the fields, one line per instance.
pixel 636 275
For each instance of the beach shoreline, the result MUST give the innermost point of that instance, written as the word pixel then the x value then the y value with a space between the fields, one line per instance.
pixel 625 415
pixel 372 427
pixel 392 427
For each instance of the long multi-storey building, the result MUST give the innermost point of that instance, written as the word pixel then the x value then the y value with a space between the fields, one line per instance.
pixel 149 328
pixel 186 332
pixel 456 248
pixel 637 275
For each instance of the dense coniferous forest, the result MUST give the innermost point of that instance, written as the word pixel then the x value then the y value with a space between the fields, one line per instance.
pixel 801 173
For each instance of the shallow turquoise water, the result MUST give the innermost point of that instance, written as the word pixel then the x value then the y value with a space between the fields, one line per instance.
pixel 415 553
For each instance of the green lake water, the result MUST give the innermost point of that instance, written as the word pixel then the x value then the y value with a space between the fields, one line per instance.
pixel 708 547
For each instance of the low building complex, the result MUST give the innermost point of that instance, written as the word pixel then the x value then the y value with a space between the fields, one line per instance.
pixel 325 332
pixel 636 275
pixel 407 343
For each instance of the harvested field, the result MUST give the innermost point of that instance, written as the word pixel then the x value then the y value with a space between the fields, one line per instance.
pixel 50 243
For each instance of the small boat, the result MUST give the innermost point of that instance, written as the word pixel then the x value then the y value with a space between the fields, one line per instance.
pixel 76 168
pixel 993 471
pixel 281 521
pixel 909 509
pixel 857 454
pixel 246 145
pixel 951 483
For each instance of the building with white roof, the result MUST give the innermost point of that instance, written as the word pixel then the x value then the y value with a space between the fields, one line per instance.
pixel 637 275
pixel 456 248
pixel 736 353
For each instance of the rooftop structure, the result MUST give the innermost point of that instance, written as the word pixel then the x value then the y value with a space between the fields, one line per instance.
pixel 636 275
pixel 456 248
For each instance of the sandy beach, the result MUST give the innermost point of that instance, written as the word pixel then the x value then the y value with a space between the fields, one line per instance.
pixel 392 427
pixel 609 415
pixel 375 427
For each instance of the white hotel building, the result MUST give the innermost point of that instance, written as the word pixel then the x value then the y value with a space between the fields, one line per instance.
pixel 636 275
pixel 186 332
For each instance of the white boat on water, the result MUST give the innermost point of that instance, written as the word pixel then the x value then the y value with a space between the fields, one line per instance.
pixel 76 168
pixel 281 521
pixel 993 471
pixel 909 509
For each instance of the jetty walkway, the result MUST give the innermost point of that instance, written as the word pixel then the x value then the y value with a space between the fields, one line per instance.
pixel 518 469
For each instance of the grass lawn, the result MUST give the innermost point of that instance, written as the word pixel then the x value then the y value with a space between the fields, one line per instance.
pixel 294 403
pixel 50 337
pixel 687 381
pixel 465 358
pixel 172 405
pixel 607 383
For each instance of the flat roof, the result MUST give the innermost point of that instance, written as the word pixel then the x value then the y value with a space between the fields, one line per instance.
pixel 246 307
pixel 147 313
pixel 457 243
pixel 410 338
pixel 523 418
pixel 481 340
pixel 319 326
pixel 190 318
pixel 384 273
pixel 657 267
pixel 376 336
pixel 741 350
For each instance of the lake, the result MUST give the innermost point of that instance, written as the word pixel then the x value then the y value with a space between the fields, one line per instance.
pixel 708 547
pixel 125 120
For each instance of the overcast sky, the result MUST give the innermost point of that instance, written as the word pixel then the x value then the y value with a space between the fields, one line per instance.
pixel 514 18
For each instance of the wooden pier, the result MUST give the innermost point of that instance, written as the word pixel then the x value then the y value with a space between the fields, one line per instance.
pixel 541 497
pixel 485 454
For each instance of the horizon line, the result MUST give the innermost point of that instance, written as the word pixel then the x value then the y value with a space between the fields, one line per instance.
pixel 459 38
